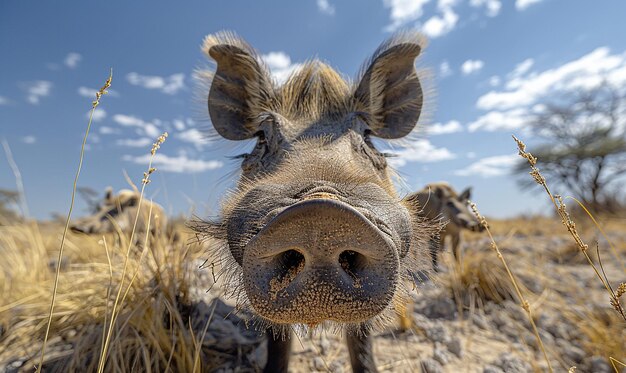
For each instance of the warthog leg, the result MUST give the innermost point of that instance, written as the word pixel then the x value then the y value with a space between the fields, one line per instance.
pixel 278 351
pixel 361 355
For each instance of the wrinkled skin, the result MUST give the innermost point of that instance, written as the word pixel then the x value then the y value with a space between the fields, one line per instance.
pixel 315 232
pixel 118 212
pixel 441 201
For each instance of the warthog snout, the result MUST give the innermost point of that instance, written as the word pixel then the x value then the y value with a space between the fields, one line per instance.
pixel 320 259
pixel 475 227
pixel 82 228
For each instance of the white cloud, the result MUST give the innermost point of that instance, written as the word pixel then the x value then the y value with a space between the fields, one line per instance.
pixel 440 25
pixel 280 65
pixel 587 72
pixel 135 143
pixel 471 66
pixel 194 137
pixel 492 6
pixel 128 120
pixel 522 68
pixel 524 90
pixel 4 100
pixel 495 81
pixel 523 4
pixel 29 139
pixel 403 12
pixel 420 151
pixel 104 130
pixel 72 60
pixel 325 7
pixel 149 129
pixel 98 115
pixel 91 92
pixel 445 70
pixel 152 130
pixel 444 128
pixel 470 155
pixel 169 85
pixel 179 124
pixel 500 120
pixel 180 163
pixel 36 90
pixel 490 166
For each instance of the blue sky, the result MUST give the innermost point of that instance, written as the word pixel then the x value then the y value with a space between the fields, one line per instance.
pixel 492 63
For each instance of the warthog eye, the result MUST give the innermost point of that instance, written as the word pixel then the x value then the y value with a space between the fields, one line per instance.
pixel 452 207
pixel 367 137
pixel 261 140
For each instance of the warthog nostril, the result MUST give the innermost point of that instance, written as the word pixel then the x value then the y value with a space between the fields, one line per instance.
pixel 353 263
pixel 288 265
pixel 290 259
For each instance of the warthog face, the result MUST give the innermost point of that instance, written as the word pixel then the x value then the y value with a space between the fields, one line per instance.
pixel 314 229
pixel 455 208
pixel 118 212
pixel 440 201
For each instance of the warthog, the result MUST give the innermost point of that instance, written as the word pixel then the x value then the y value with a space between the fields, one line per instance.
pixel 441 201
pixel 119 211
pixel 314 231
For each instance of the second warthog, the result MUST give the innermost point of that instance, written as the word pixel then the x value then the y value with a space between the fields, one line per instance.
pixel 118 212
pixel 314 231
pixel 439 201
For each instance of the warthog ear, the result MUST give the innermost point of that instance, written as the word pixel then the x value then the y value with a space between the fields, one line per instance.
pixel 240 87
pixel 108 194
pixel 466 194
pixel 390 90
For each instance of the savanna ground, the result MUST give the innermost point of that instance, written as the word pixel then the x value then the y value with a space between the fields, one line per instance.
pixel 173 317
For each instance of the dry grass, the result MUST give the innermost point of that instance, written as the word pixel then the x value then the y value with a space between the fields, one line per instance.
pixel 602 333
pixel 152 331
pixel 478 279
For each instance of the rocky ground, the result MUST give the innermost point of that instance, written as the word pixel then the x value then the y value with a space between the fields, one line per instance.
pixel 458 324
pixel 449 337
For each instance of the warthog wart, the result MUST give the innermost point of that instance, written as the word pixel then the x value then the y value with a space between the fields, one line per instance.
pixel 439 201
pixel 314 231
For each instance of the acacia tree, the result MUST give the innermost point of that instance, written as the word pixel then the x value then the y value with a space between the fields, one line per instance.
pixel 583 146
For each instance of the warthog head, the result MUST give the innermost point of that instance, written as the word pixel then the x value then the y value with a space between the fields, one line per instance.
pixel 315 230
pixel 118 211
pixel 454 207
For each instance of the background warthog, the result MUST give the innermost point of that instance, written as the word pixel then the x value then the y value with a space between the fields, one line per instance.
pixel 314 231
pixel 440 201
pixel 119 211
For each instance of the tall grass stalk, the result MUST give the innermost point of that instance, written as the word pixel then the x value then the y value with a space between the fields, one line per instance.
pixel 94 105
pixel 119 298
pixel 567 221
pixel 523 302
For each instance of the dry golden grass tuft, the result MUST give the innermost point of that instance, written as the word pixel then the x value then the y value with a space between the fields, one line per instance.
pixel 152 330
pixel 478 279
pixel 602 332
